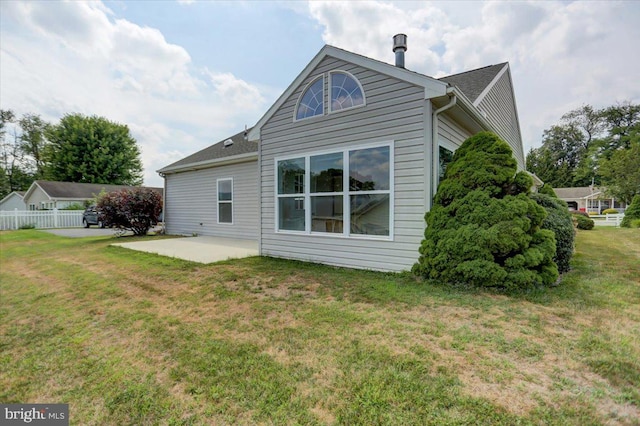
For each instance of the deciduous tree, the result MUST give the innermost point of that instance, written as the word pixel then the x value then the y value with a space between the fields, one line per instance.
pixel 621 172
pixel 94 150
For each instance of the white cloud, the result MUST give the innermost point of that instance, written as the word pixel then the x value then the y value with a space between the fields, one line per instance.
pixel 562 55
pixel 59 58
pixel 368 27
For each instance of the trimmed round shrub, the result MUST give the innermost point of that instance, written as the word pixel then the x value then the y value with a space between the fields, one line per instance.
pixel 580 213
pixel 632 212
pixel 635 223
pixel 610 211
pixel 483 229
pixel 583 222
pixel 559 221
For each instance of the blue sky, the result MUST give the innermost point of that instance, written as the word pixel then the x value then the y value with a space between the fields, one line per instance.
pixel 185 74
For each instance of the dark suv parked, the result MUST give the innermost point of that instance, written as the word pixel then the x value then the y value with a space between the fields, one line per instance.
pixel 92 216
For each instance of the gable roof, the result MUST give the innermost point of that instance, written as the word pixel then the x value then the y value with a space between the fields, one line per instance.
pixel 241 149
pixel 469 86
pixel 474 82
pixel 432 87
pixel 576 193
pixel 19 194
pixel 75 191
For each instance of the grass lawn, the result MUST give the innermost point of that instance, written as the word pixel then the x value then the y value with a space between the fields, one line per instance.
pixel 132 338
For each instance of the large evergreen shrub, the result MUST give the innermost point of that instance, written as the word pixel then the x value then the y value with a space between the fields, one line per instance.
pixel 547 190
pixel 559 221
pixel 483 229
pixel 632 212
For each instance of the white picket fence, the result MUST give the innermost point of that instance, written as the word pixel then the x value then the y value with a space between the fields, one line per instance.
pixel 607 219
pixel 40 219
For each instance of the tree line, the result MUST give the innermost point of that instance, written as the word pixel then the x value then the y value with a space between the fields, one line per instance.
pixel 592 147
pixel 79 148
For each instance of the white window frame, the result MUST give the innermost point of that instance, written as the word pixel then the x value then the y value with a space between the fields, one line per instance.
pixel 304 91
pixel 218 201
pixel 330 88
pixel 346 193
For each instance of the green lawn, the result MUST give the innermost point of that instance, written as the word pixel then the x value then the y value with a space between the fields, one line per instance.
pixel 131 338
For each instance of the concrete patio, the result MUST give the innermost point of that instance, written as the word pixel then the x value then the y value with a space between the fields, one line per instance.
pixel 197 249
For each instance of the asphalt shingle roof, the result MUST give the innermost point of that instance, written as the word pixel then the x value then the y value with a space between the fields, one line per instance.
pixel 218 150
pixel 578 192
pixel 80 190
pixel 473 82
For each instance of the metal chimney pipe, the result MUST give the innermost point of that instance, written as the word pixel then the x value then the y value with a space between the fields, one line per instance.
pixel 399 47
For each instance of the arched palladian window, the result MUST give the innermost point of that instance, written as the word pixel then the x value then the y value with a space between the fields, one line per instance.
pixel 346 91
pixel 312 100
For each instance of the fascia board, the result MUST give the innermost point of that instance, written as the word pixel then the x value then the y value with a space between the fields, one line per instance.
pixel 254 134
pixel 468 107
pixel 12 193
pixel 486 90
pixel 33 188
pixel 210 163
pixel 432 87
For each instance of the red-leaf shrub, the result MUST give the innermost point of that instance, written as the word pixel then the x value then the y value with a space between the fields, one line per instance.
pixel 135 209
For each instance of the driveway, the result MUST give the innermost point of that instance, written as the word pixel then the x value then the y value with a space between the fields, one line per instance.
pixel 197 249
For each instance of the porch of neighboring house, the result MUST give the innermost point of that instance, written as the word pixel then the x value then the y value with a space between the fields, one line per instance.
pixel 589 199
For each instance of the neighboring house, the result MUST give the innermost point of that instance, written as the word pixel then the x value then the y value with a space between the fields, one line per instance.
pixel 342 168
pixel 48 195
pixel 589 199
pixel 13 201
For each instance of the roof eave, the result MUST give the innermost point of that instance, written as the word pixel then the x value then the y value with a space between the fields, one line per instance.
pixel 490 86
pixel 240 158
pixel 467 106
pixel 32 188
pixel 10 194
pixel 432 87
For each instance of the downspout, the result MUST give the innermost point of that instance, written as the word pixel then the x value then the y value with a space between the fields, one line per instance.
pixel 434 144
pixel 164 203
pixel 260 197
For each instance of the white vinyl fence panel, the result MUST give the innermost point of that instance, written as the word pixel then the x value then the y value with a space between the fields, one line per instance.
pixel 40 219
pixel 607 219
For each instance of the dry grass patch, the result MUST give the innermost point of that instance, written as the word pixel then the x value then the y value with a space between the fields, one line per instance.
pixel 131 338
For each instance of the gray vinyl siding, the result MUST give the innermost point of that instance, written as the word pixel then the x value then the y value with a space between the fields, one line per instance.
pixel 394 111
pixel 451 132
pixel 37 197
pixel 13 202
pixel 191 202
pixel 499 105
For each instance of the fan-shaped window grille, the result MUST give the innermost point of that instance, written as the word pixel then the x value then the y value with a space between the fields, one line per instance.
pixel 312 100
pixel 346 91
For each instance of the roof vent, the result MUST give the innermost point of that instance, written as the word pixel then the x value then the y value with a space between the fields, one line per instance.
pixel 399 47
pixel 228 142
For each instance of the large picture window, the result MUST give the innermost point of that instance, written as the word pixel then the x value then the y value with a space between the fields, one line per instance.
pixel 225 200
pixel 346 193
pixel 291 200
